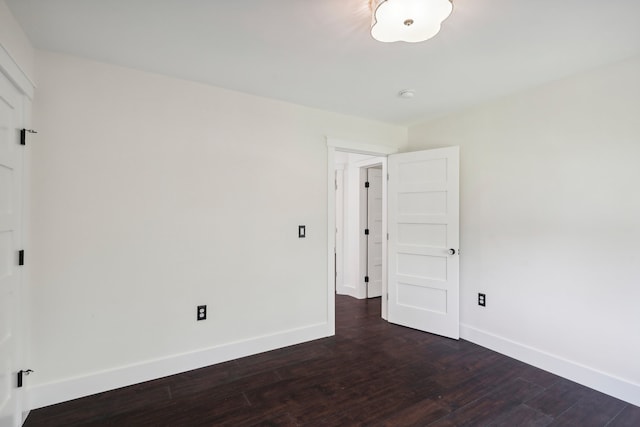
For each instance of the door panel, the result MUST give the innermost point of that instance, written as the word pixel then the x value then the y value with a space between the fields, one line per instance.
pixel 10 238
pixel 423 222
pixel 339 252
pixel 374 239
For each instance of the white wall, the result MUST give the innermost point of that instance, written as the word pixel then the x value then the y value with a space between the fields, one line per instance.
pixel 153 195
pixel 550 224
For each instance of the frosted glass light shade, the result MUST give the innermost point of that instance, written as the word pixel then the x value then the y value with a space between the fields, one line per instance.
pixel 408 20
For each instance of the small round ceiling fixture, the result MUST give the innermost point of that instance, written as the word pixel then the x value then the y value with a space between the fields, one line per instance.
pixel 407 93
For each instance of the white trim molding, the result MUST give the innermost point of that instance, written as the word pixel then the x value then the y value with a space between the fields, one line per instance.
pixel 10 68
pixel 73 388
pixel 360 147
pixel 592 378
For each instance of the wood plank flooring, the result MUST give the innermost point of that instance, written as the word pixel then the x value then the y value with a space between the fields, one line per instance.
pixel 370 373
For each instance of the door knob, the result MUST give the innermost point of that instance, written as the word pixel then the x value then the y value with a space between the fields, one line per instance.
pixel 452 251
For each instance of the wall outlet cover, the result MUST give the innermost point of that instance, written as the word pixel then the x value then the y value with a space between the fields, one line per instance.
pixel 482 300
pixel 202 312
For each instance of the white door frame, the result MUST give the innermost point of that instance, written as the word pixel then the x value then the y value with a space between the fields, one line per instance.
pixel 334 145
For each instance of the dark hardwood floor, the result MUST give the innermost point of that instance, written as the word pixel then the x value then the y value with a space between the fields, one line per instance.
pixel 370 373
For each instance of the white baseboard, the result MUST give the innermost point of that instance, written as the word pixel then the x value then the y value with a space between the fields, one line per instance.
pixel 597 380
pixel 73 388
pixel 347 290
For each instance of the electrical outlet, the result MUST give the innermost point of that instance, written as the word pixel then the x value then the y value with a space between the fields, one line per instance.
pixel 482 300
pixel 202 312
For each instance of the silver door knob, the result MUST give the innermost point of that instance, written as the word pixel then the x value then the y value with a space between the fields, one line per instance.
pixel 452 251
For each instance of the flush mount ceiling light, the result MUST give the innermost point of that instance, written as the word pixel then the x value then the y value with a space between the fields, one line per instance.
pixel 407 20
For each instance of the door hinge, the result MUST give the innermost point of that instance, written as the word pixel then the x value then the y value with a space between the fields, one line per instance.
pixel 366 184
pixel 23 135
pixel 387 236
pixel 387 296
pixel 20 375
pixel 21 257
pixel 366 279
pixel 336 181
pixel 387 177
pixel 366 231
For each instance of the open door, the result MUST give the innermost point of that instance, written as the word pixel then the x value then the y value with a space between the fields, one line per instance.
pixel 374 232
pixel 423 225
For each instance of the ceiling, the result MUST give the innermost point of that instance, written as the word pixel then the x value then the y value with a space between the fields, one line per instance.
pixel 320 54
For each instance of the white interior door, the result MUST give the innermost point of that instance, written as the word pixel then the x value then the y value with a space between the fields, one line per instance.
pixel 10 241
pixel 374 238
pixel 423 222
pixel 339 253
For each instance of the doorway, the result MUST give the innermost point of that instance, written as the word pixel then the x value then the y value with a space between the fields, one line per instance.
pixel 420 279
pixel 343 251
pixel 358 224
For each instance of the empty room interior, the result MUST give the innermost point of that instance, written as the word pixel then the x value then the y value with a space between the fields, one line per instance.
pixel 340 212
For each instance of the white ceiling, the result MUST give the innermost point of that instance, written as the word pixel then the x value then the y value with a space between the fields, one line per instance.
pixel 320 54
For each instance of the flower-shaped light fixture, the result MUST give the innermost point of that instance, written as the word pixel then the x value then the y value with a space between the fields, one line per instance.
pixel 408 20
